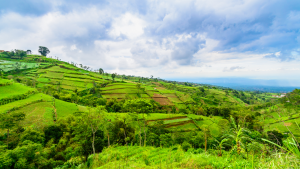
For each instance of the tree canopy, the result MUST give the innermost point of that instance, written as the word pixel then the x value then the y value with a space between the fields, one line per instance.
pixel 44 51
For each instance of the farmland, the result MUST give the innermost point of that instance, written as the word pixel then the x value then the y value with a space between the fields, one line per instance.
pixel 154 122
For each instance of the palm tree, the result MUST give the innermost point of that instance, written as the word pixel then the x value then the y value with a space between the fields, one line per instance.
pixel 237 135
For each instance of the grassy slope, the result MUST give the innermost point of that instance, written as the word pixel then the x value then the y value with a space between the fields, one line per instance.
pixel 13 90
pixel 175 157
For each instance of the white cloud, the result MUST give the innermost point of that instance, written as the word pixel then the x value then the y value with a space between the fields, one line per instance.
pixel 73 47
pixel 128 25
pixel 182 38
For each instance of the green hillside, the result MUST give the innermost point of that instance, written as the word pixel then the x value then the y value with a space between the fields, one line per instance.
pixel 60 113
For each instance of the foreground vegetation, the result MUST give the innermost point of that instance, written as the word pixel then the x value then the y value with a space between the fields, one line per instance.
pixel 64 115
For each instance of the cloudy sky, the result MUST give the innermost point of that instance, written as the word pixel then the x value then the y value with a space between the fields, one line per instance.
pixel 188 40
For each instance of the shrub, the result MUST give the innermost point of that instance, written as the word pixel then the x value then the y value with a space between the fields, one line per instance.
pixel 186 146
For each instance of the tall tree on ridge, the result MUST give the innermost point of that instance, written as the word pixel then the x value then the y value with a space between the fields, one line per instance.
pixel 43 50
pixel 113 76
pixel 101 71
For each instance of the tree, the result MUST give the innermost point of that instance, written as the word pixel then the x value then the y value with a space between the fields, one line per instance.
pixel 139 106
pixel 44 51
pixel 10 120
pixel 138 86
pixel 17 66
pixel 123 76
pixel 1 72
pixel 28 52
pixel 94 119
pixel 206 131
pixel 101 71
pixel 113 76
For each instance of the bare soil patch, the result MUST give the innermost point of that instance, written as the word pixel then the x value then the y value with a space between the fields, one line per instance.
pixel 162 101
pixel 287 124
pixel 158 95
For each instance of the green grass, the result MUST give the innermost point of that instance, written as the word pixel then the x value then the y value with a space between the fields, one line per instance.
pixel 64 109
pixel 57 69
pixel 211 122
pixel 125 90
pixel 43 80
pixel 38 114
pixel 174 157
pixel 5 82
pixel 74 83
pixel 82 76
pixel 53 75
pixel 20 103
pixel 165 91
pixel 13 90
pixel 176 120
pixel 185 127
pixel 160 116
pixel 9 65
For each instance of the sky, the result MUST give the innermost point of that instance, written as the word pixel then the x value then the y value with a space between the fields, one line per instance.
pixel 176 40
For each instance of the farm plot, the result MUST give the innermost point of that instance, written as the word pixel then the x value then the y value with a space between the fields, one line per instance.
pixel 79 80
pixel 121 91
pixel 5 82
pixel 160 116
pixel 38 114
pixel 162 101
pixel 44 80
pixel 21 103
pixel 64 109
pixel 178 122
pixel 11 65
pixel 79 76
pixel 76 83
pixel 57 69
pixel 184 97
pixel 151 93
pixel 14 90
pixel 53 75
pixel 212 122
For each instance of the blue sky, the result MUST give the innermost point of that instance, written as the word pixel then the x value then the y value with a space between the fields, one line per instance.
pixel 256 39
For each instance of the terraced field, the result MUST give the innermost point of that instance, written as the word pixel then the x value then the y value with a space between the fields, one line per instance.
pixel 180 122
pixel 13 90
pixel 11 65
pixel 38 107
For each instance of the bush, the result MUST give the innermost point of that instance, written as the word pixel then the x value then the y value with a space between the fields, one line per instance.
pixel 186 146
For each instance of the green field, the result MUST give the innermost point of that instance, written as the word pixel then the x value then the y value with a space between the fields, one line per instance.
pixel 13 90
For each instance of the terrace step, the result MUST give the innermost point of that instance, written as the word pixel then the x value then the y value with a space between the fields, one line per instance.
pixel 181 123
pixel 172 118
